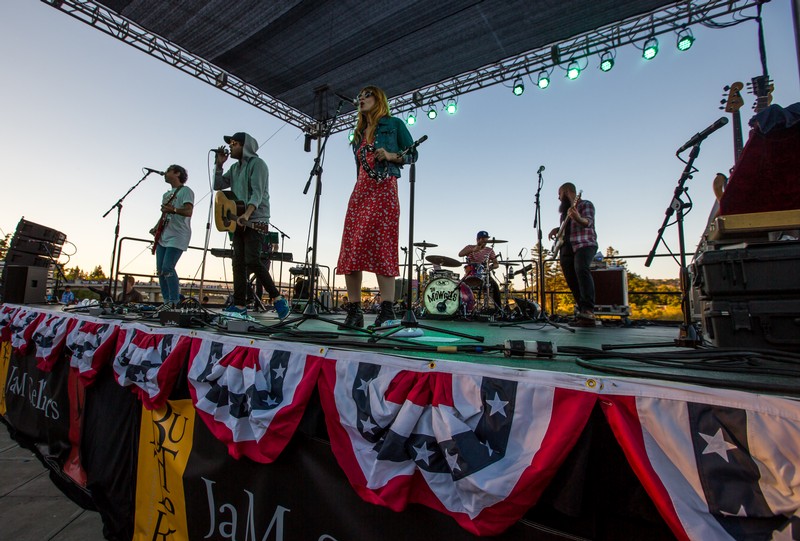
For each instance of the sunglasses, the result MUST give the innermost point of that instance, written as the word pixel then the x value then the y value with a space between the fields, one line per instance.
pixel 365 95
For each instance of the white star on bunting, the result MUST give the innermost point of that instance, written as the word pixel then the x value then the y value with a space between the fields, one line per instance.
pixel 423 453
pixel 497 405
pixel 717 444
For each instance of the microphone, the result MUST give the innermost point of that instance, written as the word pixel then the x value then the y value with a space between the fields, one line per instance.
pixel 215 150
pixel 342 97
pixel 156 171
pixel 416 143
pixel 541 168
pixel 698 137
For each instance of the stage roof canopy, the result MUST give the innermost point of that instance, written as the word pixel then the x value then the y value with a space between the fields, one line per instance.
pixel 290 57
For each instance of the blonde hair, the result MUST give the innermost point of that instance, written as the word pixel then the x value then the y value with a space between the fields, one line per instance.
pixel 367 122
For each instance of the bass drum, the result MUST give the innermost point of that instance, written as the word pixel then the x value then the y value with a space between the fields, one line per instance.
pixel 443 297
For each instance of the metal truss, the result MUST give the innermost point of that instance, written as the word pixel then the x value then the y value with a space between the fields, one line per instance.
pixel 578 48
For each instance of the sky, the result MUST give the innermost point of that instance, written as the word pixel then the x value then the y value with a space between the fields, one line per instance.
pixel 83 113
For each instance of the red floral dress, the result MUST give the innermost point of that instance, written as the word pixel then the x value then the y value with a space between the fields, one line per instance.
pixel 372 223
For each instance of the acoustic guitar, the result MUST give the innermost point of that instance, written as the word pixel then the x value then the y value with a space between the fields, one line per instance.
pixel 563 229
pixel 227 209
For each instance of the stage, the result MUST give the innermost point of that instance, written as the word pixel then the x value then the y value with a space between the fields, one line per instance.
pixel 314 433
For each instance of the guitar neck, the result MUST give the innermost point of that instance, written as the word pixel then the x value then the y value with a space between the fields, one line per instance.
pixel 738 142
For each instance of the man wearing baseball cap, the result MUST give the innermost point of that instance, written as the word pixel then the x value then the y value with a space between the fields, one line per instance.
pixel 248 180
pixel 481 259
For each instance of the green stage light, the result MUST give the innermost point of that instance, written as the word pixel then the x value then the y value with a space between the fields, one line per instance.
pixel 544 80
pixel 685 40
pixel 432 112
pixel 573 71
pixel 519 87
pixel 351 136
pixel 452 107
pixel 650 49
pixel 606 61
pixel 411 119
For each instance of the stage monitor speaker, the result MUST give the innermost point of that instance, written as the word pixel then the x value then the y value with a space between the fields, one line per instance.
pixel 610 286
pixel 40 232
pixel 24 259
pixel 25 285
pixel 22 243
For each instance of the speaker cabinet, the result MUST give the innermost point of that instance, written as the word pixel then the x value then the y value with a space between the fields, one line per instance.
pixel 611 291
pixel 25 285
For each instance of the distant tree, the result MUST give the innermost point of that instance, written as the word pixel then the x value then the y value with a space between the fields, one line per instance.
pixel 97 274
pixel 4 243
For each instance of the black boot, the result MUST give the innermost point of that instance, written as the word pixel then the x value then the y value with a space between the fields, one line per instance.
pixel 386 313
pixel 355 316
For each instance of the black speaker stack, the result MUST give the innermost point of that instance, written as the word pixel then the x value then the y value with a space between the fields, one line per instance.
pixel 34 249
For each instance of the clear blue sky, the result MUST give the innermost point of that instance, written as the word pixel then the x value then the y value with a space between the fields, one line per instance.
pixel 83 113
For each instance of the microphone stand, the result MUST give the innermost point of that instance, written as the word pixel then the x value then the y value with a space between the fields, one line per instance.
pixel 284 236
pixel 118 206
pixel 541 316
pixel 409 319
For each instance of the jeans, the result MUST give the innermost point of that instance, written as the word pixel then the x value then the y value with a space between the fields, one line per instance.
pixel 578 276
pixel 247 246
pixel 166 259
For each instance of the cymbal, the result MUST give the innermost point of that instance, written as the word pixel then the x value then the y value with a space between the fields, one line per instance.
pixel 496 241
pixel 443 260
pixel 424 244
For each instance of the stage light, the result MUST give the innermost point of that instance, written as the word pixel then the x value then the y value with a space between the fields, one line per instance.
pixel 519 87
pixel 606 61
pixel 221 80
pixel 432 112
pixel 351 136
pixel 650 49
pixel 685 39
pixel 411 119
pixel 573 70
pixel 544 80
pixel 452 107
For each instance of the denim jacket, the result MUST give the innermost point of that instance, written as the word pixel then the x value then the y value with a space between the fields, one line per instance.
pixel 392 135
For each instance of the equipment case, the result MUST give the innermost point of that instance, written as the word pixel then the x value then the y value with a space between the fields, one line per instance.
pixel 763 323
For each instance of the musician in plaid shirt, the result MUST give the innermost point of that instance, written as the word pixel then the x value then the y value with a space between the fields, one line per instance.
pixel 577 251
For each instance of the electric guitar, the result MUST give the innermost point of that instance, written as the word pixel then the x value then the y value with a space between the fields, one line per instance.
pixel 732 105
pixel 762 88
pixel 227 209
pixel 158 230
pixel 562 230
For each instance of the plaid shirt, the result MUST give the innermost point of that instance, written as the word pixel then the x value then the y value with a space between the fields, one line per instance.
pixel 580 236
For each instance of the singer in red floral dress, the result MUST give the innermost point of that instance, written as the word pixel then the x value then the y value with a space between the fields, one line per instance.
pixel 371 227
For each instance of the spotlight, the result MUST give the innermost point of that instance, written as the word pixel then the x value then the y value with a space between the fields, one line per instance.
pixel 544 80
pixel 452 106
pixel 573 70
pixel 650 49
pixel 685 39
pixel 432 112
pixel 351 136
pixel 519 87
pixel 411 119
pixel 606 61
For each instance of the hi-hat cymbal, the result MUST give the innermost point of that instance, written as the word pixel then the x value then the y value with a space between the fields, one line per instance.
pixel 443 260
pixel 496 241
pixel 424 244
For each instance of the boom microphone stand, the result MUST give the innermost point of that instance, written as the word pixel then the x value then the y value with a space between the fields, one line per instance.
pixel 409 319
pixel 118 205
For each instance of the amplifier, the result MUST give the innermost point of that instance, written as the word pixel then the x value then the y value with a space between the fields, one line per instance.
pixel 36 231
pixel 28 260
pixel 25 285
pixel 184 318
pixel 611 290
pixel 22 243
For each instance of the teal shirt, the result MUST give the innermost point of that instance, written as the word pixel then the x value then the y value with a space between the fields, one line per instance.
pixel 248 179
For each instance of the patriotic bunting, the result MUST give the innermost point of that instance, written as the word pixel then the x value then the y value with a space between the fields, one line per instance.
pixel 148 361
pixel 251 397
pixel 479 448
pixel 7 313
pixel 22 327
pixel 92 344
pixel 49 338
pixel 714 469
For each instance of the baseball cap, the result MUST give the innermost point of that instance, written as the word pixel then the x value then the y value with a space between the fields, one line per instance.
pixel 239 136
pixel 482 234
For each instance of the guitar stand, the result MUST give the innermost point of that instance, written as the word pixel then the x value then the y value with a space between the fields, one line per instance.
pixel 258 304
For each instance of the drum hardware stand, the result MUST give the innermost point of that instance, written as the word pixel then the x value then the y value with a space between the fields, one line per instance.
pixel 688 335
pixel 323 131
pixel 542 316
pixel 409 319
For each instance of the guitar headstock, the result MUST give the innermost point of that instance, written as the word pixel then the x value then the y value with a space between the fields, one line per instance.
pixel 761 87
pixel 734 100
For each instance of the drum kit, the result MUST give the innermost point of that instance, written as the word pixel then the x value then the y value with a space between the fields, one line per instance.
pixel 444 295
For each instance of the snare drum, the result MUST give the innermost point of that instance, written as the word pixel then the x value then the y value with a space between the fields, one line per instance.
pixel 443 298
pixel 475 273
pixel 443 273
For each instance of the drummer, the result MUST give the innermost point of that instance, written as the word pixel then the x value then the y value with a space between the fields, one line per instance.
pixel 481 259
